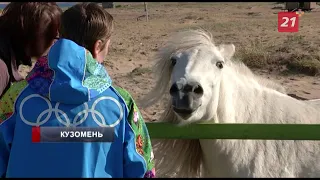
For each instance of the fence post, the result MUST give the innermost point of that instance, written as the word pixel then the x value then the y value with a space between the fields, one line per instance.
pixel 108 4
pixel 146 10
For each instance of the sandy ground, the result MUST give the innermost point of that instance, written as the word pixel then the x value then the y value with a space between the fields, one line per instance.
pixel 135 41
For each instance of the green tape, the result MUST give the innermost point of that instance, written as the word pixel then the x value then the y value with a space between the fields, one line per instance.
pixel 235 131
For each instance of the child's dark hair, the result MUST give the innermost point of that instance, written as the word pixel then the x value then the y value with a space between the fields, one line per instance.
pixel 28 29
pixel 86 23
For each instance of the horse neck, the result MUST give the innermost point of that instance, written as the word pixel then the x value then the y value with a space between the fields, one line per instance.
pixel 243 100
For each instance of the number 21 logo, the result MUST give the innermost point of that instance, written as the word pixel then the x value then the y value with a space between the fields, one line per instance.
pixel 288 22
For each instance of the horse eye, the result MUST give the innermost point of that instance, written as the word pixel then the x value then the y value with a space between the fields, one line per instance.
pixel 173 61
pixel 219 64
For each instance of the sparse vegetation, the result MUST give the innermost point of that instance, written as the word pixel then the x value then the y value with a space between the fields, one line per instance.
pixel 139 71
pixel 294 53
pixel 250 26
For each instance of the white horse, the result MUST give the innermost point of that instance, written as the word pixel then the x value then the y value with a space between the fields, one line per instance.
pixel 204 83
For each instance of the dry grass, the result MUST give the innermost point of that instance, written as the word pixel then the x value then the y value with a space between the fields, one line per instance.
pixel 139 71
pixel 293 55
pixel 252 27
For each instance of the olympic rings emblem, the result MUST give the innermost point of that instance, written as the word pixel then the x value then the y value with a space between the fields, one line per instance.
pixel 67 121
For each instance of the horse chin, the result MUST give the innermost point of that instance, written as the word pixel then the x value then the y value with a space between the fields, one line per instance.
pixel 183 122
pixel 185 116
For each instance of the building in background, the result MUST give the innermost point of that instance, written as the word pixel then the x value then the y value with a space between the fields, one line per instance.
pixel 304 6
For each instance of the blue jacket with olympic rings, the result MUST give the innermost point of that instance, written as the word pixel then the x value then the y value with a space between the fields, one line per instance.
pixel 69 88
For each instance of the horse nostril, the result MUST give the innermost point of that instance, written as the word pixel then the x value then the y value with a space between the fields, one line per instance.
pixel 192 87
pixel 198 90
pixel 174 88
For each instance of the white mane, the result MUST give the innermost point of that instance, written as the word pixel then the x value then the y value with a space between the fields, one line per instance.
pixel 162 71
pixel 255 99
pixel 162 68
pixel 181 41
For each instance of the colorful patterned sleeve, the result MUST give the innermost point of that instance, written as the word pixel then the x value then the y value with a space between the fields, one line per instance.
pixel 143 141
pixel 8 99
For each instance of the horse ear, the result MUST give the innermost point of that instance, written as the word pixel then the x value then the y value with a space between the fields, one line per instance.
pixel 227 50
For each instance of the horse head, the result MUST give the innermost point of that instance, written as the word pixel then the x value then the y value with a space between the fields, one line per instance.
pixel 190 67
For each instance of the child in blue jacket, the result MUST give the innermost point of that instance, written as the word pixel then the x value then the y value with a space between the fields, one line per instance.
pixel 70 88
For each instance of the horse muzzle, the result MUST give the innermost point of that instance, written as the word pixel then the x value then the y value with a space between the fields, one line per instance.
pixel 185 105
pixel 186 98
